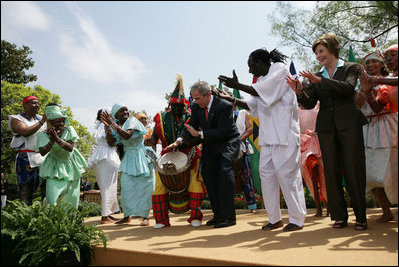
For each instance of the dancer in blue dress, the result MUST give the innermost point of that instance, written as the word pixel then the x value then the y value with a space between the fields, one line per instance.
pixel 137 179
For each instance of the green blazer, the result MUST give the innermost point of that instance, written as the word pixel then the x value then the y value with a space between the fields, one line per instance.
pixel 337 101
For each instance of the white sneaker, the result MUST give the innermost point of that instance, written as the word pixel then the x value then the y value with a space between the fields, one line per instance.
pixel 196 223
pixel 159 225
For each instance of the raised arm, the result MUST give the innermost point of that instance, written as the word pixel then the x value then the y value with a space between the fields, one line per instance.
pixel 21 128
pixel 233 83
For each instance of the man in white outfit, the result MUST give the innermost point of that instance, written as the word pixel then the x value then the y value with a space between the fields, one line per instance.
pixel 24 127
pixel 279 136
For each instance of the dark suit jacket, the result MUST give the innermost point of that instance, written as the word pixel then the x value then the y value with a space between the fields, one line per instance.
pixel 337 102
pixel 220 131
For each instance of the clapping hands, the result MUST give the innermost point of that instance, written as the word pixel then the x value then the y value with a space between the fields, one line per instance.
pixel 294 84
pixel 297 86
pixel 52 133
pixel 106 118
pixel 366 81
pixel 311 77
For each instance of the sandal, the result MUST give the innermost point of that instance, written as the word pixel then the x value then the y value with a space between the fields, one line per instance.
pixel 361 226
pixel 340 224
pixel 145 222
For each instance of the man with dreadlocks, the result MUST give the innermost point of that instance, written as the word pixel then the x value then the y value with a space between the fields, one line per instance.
pixel 168 126
pixel 279 137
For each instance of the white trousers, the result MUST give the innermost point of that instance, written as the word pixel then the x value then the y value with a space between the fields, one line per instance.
pixel 279 167
pixel 107 179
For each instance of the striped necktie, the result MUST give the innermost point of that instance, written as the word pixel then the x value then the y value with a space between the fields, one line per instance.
pixel 206 113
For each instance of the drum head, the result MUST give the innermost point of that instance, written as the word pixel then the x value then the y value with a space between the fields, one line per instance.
pixel 178 158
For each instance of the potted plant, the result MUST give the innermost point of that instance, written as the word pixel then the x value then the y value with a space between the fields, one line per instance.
pixel 45 234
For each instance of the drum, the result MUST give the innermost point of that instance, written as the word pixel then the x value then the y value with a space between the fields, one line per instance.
pixel 178 203
pixel 174 171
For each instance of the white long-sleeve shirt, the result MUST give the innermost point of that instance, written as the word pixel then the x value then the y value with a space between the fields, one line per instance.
pixel 276 106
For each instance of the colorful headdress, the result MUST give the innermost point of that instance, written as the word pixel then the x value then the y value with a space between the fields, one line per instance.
pixel 178 94
pixel 54 112
pixel 374 55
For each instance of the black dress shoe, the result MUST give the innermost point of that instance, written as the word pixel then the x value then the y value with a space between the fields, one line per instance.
pixel 212 222
pixel 292 227
pixel 271 226
pixel 225 223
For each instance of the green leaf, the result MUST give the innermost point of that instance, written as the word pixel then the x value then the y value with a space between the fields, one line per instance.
pixel 47 231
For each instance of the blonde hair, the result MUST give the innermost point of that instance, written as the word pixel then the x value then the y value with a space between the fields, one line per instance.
pixel 330 41
pixel 140 116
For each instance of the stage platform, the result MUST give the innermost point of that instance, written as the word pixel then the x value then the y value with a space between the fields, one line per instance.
pixel 246 244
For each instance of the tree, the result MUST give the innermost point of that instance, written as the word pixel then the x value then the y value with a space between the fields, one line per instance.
pixel 354 22
pixel 14 63
pixel 11 103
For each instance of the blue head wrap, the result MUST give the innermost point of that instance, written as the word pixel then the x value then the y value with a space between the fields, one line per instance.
pixel 115 108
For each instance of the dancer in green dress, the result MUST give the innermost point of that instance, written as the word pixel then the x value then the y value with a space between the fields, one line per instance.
pixel 64 164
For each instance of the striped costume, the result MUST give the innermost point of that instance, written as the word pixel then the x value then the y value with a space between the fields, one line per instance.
pixel 167 129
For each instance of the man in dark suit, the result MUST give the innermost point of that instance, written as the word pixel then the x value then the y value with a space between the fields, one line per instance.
pixel 212 123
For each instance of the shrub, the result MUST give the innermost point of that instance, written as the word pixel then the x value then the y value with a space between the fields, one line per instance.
pixel 44 234
pixel 91 208
pixel 206 205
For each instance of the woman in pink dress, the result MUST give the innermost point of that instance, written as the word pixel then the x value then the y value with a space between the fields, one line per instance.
pixel 311 160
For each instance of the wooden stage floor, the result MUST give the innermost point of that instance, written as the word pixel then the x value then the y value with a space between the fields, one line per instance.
pixel 246 244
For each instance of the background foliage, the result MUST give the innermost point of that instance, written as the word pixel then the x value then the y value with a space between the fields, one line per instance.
pixel 14 62
pixel 11 103
pixel 354 22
